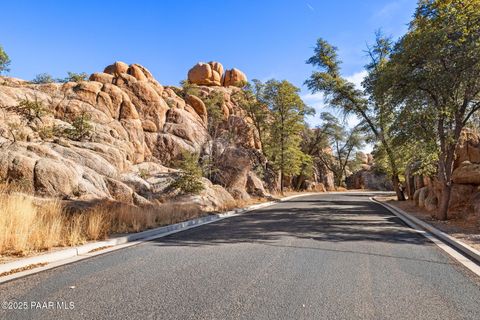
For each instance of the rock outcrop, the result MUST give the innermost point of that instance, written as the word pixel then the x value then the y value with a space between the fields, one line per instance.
pixel 211 74
pixel 234 77
pixel 115 135
pixel 368 177
pixel 207 74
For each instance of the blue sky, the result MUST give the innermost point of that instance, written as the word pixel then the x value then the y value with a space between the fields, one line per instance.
pixel 265 39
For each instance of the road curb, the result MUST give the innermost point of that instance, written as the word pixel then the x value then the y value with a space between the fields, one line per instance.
pixel 471 254
pixel 85 251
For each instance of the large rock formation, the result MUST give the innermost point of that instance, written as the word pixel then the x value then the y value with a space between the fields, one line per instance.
pixel 234 77
pixel 369 176
pixel 211 74
pixel 208 74
pixel 115 135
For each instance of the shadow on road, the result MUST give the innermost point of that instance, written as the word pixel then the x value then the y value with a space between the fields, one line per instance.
pixel 329 220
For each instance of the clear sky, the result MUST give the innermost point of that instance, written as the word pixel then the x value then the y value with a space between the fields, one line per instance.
pixel 264 38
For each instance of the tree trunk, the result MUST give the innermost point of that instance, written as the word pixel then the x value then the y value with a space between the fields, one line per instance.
pixel 281 182
pixel 444 201
pixel 397 188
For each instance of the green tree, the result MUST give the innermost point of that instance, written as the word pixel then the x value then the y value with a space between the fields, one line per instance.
pixel 344 144
pixel 189 179
pixel 4 61
pixel 43 78
pixel 213 103
pixel 250 99
pixel 371 108
pixel 314 144
pixel 75 77
pixel 436 67
pixel 288 112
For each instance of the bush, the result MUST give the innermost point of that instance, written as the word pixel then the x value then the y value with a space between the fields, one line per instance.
pixel 17 131
pixel 189 180
pixel 75 77
pixel 144 174
pixel 81 128
pixel 48 132
pixel 4 61
pixel 188 89
pixel 43 78
pixel 32 110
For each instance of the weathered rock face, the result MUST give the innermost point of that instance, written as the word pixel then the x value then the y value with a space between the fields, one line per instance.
pixel 467 173
pixel 137 127
pixel 468 148
pixel 234 77
pixel 234 165
pixel 324 177
pixel 369 179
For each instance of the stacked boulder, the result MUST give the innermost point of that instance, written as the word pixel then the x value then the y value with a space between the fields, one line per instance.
pixel 211 74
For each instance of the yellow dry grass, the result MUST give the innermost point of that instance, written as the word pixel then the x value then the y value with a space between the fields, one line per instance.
pixel 27 226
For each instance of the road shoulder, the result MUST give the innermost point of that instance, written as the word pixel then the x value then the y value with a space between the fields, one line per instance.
pixel 461 252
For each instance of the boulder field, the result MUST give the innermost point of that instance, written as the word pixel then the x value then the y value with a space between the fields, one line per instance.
pixel 137 129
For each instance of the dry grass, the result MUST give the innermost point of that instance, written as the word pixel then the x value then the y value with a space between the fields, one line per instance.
pixel 30 225
pixel 27 226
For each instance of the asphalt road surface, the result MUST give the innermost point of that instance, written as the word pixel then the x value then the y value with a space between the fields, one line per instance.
pixel 327 256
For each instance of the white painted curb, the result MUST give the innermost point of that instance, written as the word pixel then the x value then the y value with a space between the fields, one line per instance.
pixel 459 250
pixel 69 255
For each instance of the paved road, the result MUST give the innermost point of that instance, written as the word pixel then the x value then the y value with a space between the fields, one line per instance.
pixel 317 257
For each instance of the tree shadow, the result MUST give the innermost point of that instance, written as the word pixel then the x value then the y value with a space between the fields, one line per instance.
pixel 322 220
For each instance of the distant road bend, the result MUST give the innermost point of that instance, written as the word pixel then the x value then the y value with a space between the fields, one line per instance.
pixel 326 256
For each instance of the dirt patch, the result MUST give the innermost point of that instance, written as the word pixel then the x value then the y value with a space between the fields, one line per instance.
pixel 464 230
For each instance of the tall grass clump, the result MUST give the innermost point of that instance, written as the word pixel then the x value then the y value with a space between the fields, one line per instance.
pixel 29 224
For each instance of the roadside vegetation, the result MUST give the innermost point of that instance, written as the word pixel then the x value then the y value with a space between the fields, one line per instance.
pixel 29 224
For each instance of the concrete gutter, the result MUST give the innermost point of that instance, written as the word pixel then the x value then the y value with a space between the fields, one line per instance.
pixel 462 252
pixel 69 255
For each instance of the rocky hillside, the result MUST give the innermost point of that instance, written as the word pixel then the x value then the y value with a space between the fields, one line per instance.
pixel 117 136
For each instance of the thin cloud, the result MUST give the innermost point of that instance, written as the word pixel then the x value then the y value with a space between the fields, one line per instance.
pixel 310 7
pixel 357 78
pixel 388 10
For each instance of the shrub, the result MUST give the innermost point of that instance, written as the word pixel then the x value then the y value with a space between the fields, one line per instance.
pixel 4 61
pixel 17 131
pixel 32 110
pixel 189 179
pixel 188 89
pixel 144 174
pixel 74 77
pixel 81 128
pixel 43 78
